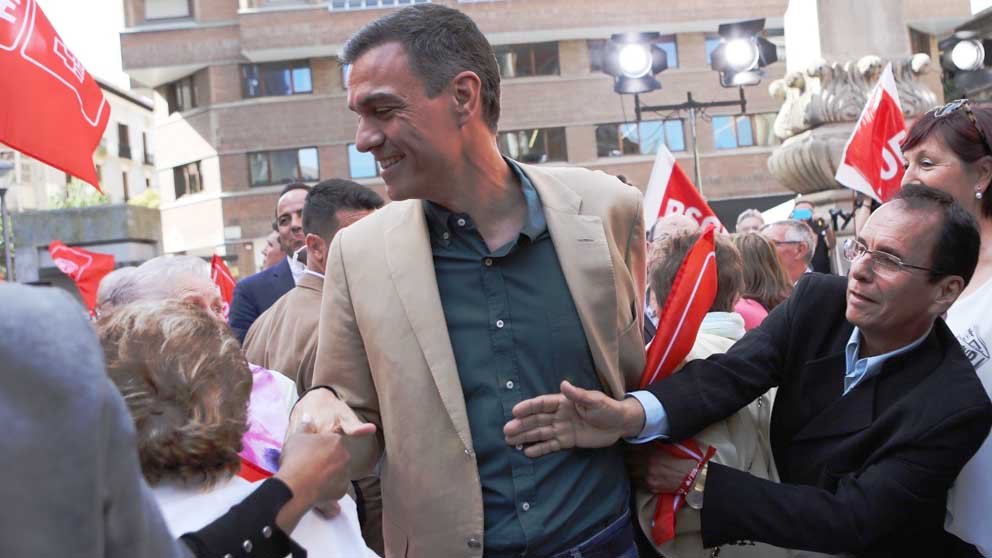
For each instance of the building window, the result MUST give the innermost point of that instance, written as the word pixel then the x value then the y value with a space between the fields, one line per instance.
pixel 187 179
pixel 537 59
pixel 361 165
pixel 277 78
pixel 287 165
pixel 536 145
pixel 168 9
pixel 597 49
pixel 730 132
pixel 146 150
pixel 180 95
pixel 127 187
pixel 370 4
pixel 711 44
pixel 777 38
pixel 123 142
pixel 919 42
pixel 615 140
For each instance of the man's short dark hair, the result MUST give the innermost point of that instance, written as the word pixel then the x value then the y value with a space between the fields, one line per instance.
pixel 958 241
pixel 329 197
pixel 287 188
pixel 440 42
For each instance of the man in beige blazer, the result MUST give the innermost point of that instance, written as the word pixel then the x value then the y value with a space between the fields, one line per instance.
pixel 284 337
pixel 485 282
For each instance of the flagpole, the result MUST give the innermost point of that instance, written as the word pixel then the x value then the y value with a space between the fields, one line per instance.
pixel 695 145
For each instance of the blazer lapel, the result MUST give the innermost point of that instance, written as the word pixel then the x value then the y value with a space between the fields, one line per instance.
pixel 411 267
pixel 584 255
pixel 837 414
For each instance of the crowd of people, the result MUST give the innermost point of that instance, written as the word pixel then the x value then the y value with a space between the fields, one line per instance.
pixel 457 372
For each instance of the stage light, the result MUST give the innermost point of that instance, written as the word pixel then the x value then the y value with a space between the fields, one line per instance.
pixel 633 59
pixel 968 55
pixel 743 53
pixel 965 58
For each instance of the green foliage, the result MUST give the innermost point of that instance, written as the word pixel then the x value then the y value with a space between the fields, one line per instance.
pixel 78 194
pixel 149 198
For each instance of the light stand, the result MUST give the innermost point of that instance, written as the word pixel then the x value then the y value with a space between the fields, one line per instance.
pixel 693 106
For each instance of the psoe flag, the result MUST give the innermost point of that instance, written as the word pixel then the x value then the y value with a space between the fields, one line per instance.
pixel 872 160
pixel 86 268
pixel 221 277
pixel 50 106
pixel 671 192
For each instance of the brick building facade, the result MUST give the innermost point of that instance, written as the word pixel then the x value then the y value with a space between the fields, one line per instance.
pixel 249 94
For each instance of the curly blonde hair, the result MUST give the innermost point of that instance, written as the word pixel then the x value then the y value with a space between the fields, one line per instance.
pixel 186 384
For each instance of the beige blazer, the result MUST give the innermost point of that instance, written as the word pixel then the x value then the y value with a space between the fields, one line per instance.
pixel 384 346
pixel 284 337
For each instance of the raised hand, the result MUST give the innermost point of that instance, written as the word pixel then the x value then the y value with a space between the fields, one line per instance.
pixel 574 418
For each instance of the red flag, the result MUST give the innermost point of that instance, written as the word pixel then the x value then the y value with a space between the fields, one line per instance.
pixel 221 276
pixel 670 192
pixel 86 268
pixel 693 292
pixel 50 107
pixel 872 160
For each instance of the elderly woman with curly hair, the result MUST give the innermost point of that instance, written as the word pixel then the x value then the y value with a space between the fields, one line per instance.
pixel 187 386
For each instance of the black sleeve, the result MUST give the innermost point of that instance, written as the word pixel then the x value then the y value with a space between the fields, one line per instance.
pixel 249 528
pixel 709 390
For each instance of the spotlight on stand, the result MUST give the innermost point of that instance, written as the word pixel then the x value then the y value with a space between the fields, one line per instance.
pixel 743 53
pixel 966 58
pixel 633 59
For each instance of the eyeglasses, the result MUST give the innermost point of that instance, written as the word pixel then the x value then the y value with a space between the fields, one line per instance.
pixel 964 104
pixel 880 261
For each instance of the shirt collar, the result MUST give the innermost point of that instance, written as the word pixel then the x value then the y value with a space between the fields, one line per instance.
pixel 861 369
pixel 441 220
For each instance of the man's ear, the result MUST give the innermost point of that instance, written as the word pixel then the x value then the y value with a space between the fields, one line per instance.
pixel 466 88
pixel 947 289
pixel 316 247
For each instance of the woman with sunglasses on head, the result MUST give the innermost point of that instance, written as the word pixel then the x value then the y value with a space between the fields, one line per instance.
pixel 948 148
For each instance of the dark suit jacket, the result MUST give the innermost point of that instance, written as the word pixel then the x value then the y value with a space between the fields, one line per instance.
pixel 866 473
pixel 255 293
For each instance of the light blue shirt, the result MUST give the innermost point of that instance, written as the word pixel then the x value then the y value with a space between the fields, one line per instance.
pixel 861 369
pixel 656 419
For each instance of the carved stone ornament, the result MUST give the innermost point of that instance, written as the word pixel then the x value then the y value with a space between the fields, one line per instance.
pixel 819 108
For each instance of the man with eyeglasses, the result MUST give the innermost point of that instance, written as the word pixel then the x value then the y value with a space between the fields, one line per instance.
pixel 877 410
pixel 795 243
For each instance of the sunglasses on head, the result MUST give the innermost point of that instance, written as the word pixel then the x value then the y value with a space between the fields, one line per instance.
pixel 965 105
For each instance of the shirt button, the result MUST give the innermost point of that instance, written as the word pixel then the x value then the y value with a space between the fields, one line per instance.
pixel 446 236
pixel 488 262
pixel 499 324
pixel 228 556
pixel 461 222
pixel 519 447
pixel 509 384
pixel 468 452
pixel 247 546
pixel 525 506
pixel 267 532
pixel 473 542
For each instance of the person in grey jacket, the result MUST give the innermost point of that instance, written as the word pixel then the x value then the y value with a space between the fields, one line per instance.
pixel 70 481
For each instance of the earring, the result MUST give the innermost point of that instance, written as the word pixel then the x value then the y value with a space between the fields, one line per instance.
pixel 978 194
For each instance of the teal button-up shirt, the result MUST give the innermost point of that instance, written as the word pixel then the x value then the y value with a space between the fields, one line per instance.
pixel 860 369
pixel 516 334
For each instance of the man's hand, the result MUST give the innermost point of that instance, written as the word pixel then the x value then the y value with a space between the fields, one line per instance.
pixel 315 467
pixel 327 414
pixel 655 470
pixel 574 418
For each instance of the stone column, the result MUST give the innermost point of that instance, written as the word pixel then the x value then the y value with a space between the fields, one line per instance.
pixel 836 50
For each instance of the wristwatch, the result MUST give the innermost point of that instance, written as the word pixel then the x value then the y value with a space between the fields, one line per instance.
pixel 695 495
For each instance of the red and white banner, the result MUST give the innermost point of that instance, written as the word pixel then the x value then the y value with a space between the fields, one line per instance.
pixel 693 292
pixel 221 276
pixel 872 160
pixel 50 107
pixel 670 191
pixel 86 268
